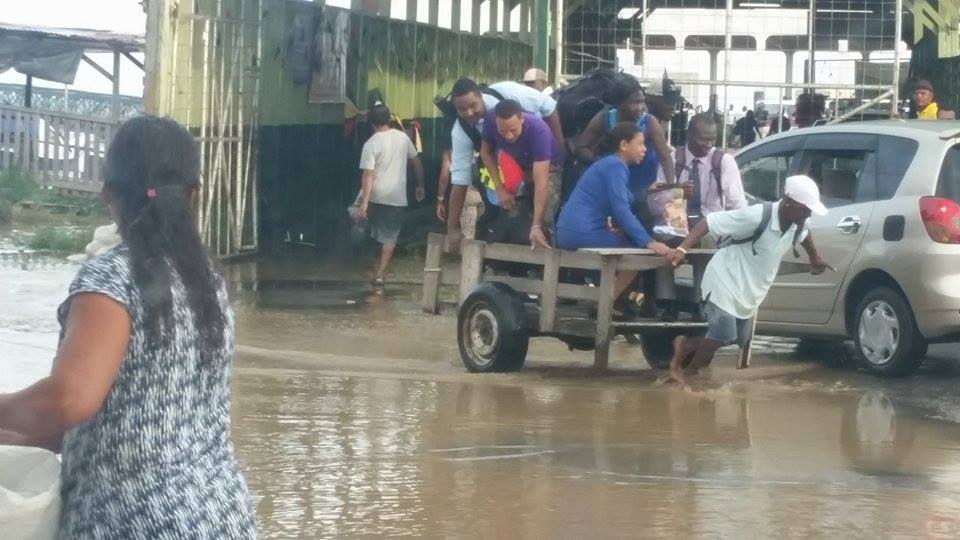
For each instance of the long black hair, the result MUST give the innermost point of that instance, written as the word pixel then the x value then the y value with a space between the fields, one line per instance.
pixel 151 172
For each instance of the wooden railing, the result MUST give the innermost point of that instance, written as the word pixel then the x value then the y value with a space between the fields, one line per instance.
pixel 60 150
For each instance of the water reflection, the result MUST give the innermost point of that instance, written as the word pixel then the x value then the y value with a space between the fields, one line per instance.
pixel 875 440
pixel 374 456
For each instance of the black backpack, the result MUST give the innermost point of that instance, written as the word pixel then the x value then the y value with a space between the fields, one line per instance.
pixel 582 99
pixel 725 241
pixel 446 106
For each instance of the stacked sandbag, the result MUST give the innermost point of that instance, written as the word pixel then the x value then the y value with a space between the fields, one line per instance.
pixel 104 238
pixel 29 493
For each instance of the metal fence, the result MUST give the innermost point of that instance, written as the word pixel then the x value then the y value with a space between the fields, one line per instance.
pixel 68 100
pixel 748 54
pixel 64 151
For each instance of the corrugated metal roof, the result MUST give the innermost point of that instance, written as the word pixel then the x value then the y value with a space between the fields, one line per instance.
pixel 87 39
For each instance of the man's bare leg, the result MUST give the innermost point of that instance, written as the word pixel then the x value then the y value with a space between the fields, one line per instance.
pixel 386 254
pixel 706 350
pixel 458 194
pixel 683 349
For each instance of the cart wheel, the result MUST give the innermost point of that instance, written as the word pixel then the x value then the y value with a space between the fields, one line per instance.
pixel 657 347
pixel 490 331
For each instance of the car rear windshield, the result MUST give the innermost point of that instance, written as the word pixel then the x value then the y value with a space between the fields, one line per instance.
pixel 949 185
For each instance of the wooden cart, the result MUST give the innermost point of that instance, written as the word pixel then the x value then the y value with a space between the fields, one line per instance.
pixel 498 313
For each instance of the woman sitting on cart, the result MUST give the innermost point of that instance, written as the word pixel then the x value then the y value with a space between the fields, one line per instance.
pixel 598 213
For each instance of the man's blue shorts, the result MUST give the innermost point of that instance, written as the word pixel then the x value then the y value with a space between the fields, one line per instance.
pixel 725 328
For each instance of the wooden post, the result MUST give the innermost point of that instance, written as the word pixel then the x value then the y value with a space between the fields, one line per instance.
pixel 745 353
pixel 22 139
pixel 608 274
pixel 28 93
pixel 455 16
pixel 475 17
pixel 432 271
pixel 434 13
pixel 548 296
pixel 525 21
pixel 471 266
pixel 77 150
pixel 115 97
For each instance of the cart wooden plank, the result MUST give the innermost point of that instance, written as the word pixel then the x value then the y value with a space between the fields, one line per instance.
pixel 601 355
pixel 640 251
pixel 743 362
pixel 659 324
pixel 432 274
pixel 551 280
pixel 535 286
pixel 471 266
pixel 523 254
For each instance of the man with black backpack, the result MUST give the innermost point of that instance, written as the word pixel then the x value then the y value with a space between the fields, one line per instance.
pixel 471 103
pixel 752 242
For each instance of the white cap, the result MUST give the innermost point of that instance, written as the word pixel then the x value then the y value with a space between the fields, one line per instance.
pixel 534 74
pixel 804 190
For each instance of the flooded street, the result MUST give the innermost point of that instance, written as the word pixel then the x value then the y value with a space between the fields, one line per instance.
pixel 31 288
pixel 353 417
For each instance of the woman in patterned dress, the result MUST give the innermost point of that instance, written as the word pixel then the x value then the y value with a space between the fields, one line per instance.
pixel 138 399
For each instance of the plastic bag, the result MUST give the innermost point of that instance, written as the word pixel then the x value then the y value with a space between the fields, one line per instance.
pixel 29 493
pixel 360 227
pixel 669 208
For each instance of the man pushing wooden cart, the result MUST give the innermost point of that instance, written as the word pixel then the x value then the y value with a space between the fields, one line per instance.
pixel 499 313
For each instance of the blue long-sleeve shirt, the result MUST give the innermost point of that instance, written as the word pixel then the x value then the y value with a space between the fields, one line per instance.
pixel 603 191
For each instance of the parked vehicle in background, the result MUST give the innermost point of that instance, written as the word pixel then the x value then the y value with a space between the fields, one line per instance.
pixel 893 234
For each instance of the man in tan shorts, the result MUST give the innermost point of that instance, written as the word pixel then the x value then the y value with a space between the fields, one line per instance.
pixel 472 205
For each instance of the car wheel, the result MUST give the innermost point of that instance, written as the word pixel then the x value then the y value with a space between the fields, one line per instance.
pixel 657 347
pixel 885 332
pixel 490 331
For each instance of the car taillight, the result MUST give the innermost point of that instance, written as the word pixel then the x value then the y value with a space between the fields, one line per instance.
pixel 941 217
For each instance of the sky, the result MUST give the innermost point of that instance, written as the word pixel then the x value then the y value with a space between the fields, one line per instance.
pixel 125 16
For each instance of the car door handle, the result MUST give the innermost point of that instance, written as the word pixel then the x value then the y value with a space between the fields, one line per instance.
pixel 849 225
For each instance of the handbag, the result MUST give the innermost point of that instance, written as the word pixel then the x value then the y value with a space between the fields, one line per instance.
pixel 669 208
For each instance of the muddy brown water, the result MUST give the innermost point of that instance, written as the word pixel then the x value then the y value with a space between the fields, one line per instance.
pixel 352 417
pixel 358 456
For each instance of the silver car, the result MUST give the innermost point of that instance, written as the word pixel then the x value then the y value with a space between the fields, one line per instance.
pixel 893 234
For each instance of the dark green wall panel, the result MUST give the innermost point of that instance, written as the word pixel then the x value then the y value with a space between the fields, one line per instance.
pixel 308 168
